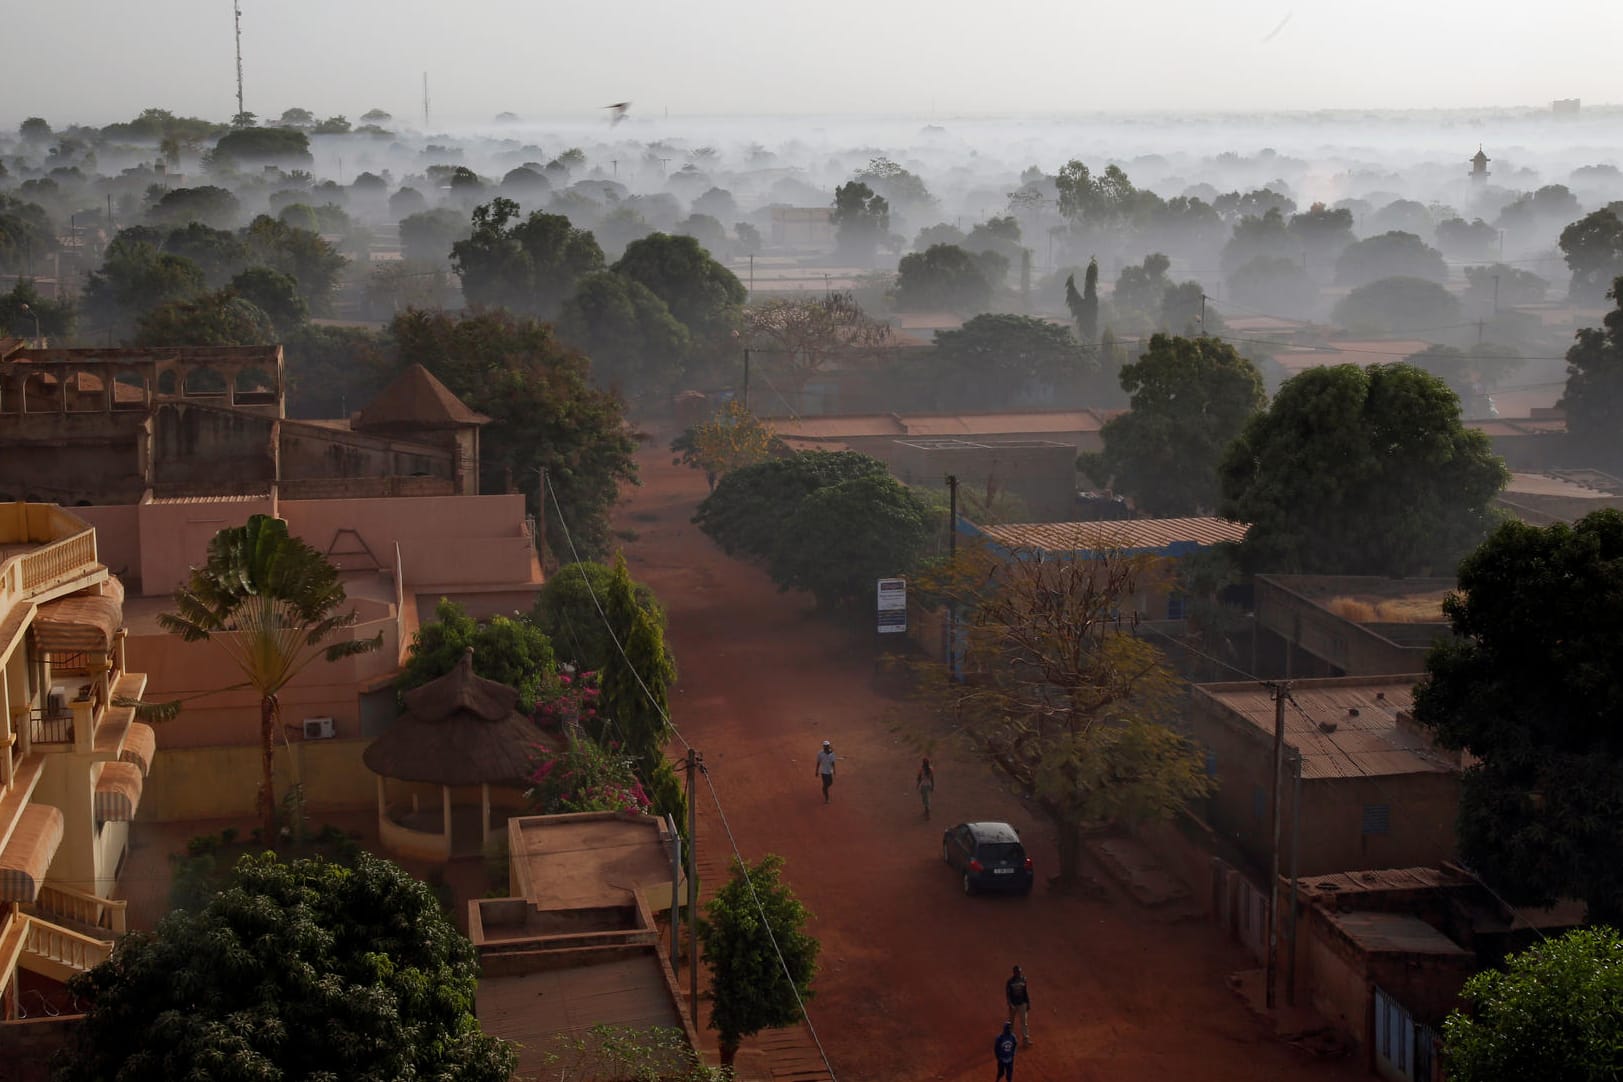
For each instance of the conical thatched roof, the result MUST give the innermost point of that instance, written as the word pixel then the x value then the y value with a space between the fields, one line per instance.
pixel 415 399
pixel 458 730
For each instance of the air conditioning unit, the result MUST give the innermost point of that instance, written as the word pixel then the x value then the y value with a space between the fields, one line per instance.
pixel 318 729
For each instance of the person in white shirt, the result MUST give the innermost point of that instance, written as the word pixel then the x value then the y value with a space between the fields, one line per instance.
pixel 825 767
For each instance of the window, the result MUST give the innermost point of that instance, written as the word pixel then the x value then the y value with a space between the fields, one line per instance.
pixel 1175 607
pixel 1377 818
pixel 1211 764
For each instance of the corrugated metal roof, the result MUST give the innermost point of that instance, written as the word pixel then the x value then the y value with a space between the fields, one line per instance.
pixel 1154 534
pixel 1369 742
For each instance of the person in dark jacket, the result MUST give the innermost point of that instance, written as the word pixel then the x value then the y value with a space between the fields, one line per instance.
pixel 926 784
pixel 1003 1051
pixel 1018 997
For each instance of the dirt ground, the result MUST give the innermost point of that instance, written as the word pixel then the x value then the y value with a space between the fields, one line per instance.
pixel 912 971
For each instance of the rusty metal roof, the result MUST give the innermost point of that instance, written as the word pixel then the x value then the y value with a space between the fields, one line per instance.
pixel 1132 535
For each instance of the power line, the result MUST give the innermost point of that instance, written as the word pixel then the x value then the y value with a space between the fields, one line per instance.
pixel 765 923
pixel 607 626
pixel 705 771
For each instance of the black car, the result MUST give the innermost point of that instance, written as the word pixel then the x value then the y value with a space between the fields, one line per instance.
pixel 989 856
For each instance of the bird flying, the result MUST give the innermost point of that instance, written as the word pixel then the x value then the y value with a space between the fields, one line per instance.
pixel 617 112
pixel 1274 33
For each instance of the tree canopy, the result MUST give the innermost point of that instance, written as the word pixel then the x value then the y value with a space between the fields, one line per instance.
pixel 543 408
pixel 1594 395
pixel 508 650
pixel 1528 687
pixel 637 347
pixel 944 277
pixel 1396 306
pixel 996 359
pixel 1593 247
pixel 1390 255
pixel 1190 398
pixel 861 222
pixel 220 318
pixel 761 960
pixel 1360 471
pixel 747 512
pixel 566 610
pixel 1067 705
pixel 296 970
pixel 525 265
pixel 1554 1011
pixel 703 295
pixel 845 536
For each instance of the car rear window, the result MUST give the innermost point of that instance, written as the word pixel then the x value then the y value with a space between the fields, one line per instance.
pixel 1002 851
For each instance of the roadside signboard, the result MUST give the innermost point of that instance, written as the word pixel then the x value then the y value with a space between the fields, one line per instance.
pixel 892 605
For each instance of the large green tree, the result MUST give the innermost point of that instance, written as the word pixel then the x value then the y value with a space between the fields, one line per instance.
pixel 1554 1011
pixel 1361 471
pixel 1402 305
pixel 527 265
pixel 218 253
pixel 275 606
pixel 23 311
pixel 545 413
pixel 747 512
pixel 1190 398
pixel 26 235
pixel 760 958
pixel 429 237
pixel 861 223
pixel 703 295
pixel 301 255
pixel 843 537
pixel 1593 247
pixel 638 678
pixel 637 347
pixel 1529 687
pixel 135 278
pixel 567 609
pixel 220 318
pixel 995 360
pixel 508 650
pixel 299 970
pixel 1594 396
pixel 944 277
pixel 207 204
pixel 1389 255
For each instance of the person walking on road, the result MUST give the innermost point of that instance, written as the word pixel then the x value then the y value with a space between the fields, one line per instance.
pixel 825 768
pixel 926 784
pixel 1019 1000
pixel 1003 1051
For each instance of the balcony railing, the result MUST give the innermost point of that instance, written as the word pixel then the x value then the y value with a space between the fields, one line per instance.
pixel 59 559
pixel 51 727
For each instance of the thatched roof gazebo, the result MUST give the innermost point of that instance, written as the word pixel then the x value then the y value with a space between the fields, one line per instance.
pixel 457 732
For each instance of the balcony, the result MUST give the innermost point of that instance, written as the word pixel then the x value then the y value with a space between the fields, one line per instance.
pixel 45 552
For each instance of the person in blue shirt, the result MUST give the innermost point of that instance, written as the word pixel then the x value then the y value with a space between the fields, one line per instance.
pixel 1003 1051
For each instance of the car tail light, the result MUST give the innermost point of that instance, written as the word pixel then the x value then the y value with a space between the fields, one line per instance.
pixel 975 866
pixel 1028 864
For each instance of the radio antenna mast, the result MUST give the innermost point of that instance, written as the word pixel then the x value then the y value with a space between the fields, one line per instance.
pixel 236 8
pixel 425 101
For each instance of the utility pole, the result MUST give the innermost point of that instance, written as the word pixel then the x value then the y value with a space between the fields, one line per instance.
pixel 676 894
pixel 952 556
pixel 541 515
pixel 746 377
pixel 1203 315
pixel 1496 294
pixel 425 101
pixel 751 294
pixel 1296 838
pixel 695 764
pixel 236 9
pixel 1281 693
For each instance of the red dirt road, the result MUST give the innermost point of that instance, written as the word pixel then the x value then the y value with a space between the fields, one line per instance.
pixel 911 981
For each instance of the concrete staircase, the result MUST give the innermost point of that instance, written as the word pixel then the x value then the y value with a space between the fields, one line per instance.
pixel 58 953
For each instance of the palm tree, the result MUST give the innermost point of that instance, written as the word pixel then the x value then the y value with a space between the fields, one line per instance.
pixel 271 600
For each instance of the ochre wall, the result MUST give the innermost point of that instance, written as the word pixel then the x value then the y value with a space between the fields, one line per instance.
pixel 222 782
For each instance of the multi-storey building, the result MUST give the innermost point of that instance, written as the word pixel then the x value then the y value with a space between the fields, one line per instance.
pixel 73 757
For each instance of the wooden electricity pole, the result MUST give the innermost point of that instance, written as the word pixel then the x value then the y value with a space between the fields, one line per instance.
pixel 1281 694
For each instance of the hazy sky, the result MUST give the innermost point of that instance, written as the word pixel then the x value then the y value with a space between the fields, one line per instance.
pixel 94 61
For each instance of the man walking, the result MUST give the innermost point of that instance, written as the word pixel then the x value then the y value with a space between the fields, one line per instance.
pixel 1019 1000
pixel 825 767
pixel 1003 1051
pixel 926 784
